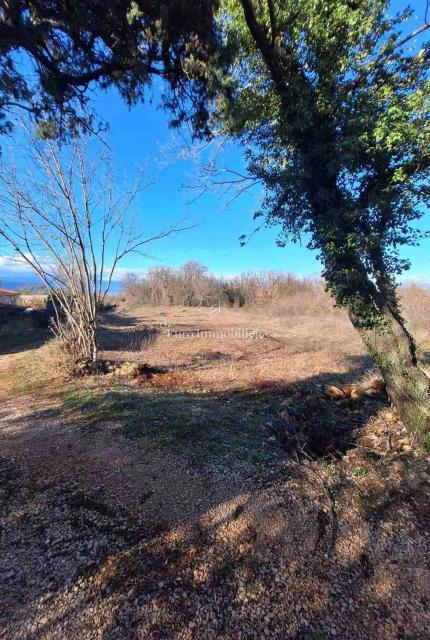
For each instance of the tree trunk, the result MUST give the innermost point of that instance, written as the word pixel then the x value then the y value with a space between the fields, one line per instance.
pixel 90 347
pixel 375 312
pixel 94 342
pixel 394 352
pixel 95 352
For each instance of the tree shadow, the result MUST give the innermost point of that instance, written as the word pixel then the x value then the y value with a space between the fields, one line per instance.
pixel 116 319
pixel 257 536
pixel 24 340
pixel 134 340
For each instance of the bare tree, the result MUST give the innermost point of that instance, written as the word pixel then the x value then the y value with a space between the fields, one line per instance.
pixel 65 215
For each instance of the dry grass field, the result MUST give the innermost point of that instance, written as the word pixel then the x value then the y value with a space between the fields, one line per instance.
pixel 215 491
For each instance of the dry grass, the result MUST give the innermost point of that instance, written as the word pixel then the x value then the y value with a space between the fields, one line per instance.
pixel 171 506
pixel 416 302
pixel 294 347
pixel 306 336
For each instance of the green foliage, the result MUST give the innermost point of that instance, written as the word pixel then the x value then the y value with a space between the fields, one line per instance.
pixel 426 442
pixel 331 103
pixel 52 52
pixel 47 130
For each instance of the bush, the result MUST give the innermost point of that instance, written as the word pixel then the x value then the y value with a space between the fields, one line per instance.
pixel 277 293
pixel 192 285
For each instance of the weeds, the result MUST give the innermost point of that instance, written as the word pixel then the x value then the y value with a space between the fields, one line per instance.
pixel 426 442
pixel 359 472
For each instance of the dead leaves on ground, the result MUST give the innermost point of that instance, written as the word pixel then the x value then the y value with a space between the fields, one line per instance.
pixel 376 389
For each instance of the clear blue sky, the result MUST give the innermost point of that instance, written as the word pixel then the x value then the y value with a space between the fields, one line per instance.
pixel 138 136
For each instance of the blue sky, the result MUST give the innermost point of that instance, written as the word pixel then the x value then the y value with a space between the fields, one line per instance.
pixel 142 133
pixel 140 137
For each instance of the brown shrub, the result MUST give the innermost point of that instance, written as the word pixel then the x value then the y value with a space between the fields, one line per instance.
pixel 57 359
pixel 274 293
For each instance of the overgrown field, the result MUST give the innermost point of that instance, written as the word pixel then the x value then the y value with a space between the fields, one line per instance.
pixel 215 491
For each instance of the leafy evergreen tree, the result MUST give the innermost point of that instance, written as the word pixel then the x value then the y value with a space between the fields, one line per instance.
pixel 332 106
pixel 53 51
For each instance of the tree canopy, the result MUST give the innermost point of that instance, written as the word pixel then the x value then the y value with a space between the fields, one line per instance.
pixel 332 106
pixel 53 51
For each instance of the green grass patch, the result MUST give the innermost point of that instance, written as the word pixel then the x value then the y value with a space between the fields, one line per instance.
pixel 359 472
pixel 426 442
pixel 202 426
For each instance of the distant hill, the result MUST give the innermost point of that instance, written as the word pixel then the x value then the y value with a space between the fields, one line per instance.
pixel 18 281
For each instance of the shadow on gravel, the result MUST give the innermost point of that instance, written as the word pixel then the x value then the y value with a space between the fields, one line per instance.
pixel 295 416
pixel 135 339
pixel 72 565
pixel 25 340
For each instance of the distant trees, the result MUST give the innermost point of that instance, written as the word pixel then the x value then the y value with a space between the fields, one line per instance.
pixel 192 285
pixel 189 285
pixel 64 214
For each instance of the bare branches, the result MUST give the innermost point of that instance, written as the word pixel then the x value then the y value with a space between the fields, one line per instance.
pixel 413 35
pixel 65 215
pixel 212 172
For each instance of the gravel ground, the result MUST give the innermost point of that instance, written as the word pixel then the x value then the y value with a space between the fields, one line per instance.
pixel 274 556
pixel 103 537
